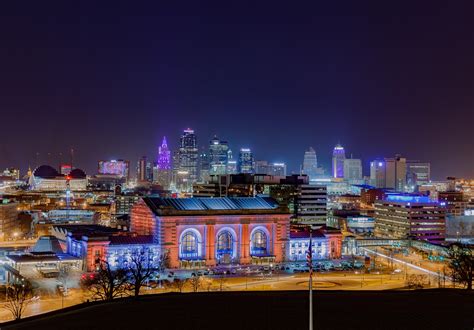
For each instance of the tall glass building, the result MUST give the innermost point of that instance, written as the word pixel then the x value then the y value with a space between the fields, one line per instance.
pixel 188 155
pixel 246 161
pixel 310 163
pixel 338 157
pixel 218 156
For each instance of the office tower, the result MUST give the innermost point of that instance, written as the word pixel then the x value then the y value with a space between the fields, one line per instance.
pixel 338 157
pixel 418 173
pixel 246 161
pixel 164 156
pixel 396 173
pixel 218 156
pixel 278 169
pixel 275 169
pixel 231 166
pixel 204 167
pixel 162 173
pixel 311 204
pixel 352 169
pixel 142 169
pixel 418 217
pixel 390 173
pixel 377 173
pixel 310 163
pixel 188 155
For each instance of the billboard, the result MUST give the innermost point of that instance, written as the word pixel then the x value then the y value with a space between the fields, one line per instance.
pixel 115 167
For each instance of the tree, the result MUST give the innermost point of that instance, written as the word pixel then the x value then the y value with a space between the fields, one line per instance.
pixel 178 284
pixel 207 284
pixel 461 264
pixel 195 283
pixel 18 296
pixel 221 280
pixel 106 283
pixel 139 271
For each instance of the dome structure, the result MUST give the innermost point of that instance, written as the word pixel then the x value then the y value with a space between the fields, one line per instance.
pixel 77 173
pixel 45 172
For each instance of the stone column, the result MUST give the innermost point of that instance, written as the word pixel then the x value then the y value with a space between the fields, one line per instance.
pixel 245 243
pixel 210 244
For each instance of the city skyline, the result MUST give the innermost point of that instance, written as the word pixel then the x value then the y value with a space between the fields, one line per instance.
pixel 110 84
pixel 327 165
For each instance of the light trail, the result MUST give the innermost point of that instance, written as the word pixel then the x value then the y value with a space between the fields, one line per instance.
pixel 403 262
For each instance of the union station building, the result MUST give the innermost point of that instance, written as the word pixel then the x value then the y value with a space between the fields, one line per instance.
pixel 204 232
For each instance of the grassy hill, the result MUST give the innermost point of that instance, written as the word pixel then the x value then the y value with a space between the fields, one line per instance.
pixel 427 309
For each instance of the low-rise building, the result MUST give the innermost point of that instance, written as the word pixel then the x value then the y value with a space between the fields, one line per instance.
pixel 404 216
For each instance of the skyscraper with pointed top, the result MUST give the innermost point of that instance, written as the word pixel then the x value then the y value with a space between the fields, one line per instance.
pixel 164 156
pixel 162 173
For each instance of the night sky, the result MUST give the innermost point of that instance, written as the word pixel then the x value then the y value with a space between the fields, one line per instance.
pixel 110 80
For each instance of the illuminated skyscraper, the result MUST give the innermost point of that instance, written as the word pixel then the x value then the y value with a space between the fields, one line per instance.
pixel 338 157
pixel 418 173
pixel 162 174
pixel 218 156
pixel 142 169
pixel 352 169
pixel 246 161
pixel 188 157
pixel 310 163
pixel 164 156
pixel 390 173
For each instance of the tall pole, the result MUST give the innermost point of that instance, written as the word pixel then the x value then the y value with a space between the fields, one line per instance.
pixel 310 261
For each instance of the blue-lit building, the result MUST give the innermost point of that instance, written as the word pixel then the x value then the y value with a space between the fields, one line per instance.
pixel 338 157
pixel 326 243
pixel 204 232
pixel 404 216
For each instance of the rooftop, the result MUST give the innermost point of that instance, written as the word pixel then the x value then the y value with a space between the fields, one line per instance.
pixel 218 205
pixel 398 198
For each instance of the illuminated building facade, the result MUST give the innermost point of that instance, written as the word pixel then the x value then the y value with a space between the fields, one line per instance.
pixel 246 161
pixel 144 170
pixel 199 232
pixel 275 169
pixel 418 173
pixel 338 157
pixel 218 156
pixel 390 173
pixel 352 169
pixel 326 244
pixel 403 216
pixel 377 173
pixel 117 167
pixel 310 164
pixel 46 178
pixel 164 156
pixel 188 157
pixel 162 173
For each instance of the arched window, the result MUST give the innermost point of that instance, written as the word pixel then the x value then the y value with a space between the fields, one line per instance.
pixel 189 245
pixel 259 243
pixel 225 243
